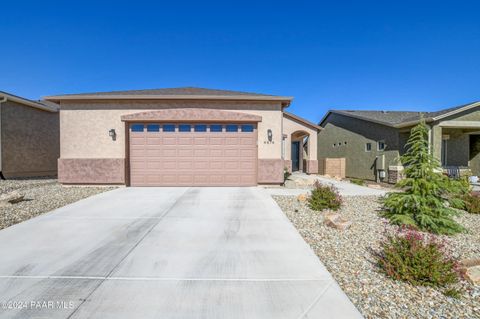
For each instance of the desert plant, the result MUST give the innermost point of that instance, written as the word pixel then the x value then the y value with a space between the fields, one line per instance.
pixel 324 197
pixel 417 258
pixel 472 203
pixel 357 181
pixel 286 174
pixel 425 202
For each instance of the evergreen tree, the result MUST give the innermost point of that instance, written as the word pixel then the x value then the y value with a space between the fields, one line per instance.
pixel 425 202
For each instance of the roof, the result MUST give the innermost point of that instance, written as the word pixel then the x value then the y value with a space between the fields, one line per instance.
pixel 41 105
pixel 302 120
pixel 401 118
pixel 189 93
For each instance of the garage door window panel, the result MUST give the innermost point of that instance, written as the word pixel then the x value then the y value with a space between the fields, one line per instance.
pixel 217 128
pixel 185 128
pixel 232 128
pixel 137 128
pixel 168 128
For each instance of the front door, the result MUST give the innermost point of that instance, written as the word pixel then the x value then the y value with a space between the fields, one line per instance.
pixel 295 156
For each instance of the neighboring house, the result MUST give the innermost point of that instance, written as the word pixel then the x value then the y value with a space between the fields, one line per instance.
pixel 181 137
pixel 29 137
pixel 372 141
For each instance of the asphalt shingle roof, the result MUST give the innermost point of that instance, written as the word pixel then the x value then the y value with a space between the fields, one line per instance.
pixel 175 91
pixel 393 118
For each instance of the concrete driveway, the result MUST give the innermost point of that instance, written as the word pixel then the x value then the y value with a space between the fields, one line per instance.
pixel 165 253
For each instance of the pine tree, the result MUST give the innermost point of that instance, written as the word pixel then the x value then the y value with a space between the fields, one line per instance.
pixel 425 200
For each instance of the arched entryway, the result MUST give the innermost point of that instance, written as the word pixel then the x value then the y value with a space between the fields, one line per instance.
pixel 299 149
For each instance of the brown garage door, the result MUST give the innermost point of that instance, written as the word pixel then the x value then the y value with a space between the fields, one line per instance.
pixel 184 154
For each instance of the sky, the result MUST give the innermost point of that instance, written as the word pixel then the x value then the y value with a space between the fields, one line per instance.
pixel 385 55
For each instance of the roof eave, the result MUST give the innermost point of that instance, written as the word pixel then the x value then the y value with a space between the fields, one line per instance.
pixel 303 121
pixel 286 100
pixel 28 102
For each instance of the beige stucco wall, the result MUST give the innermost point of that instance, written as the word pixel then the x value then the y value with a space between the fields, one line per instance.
pixel 30 140
pixel 291 126
pixel 84 125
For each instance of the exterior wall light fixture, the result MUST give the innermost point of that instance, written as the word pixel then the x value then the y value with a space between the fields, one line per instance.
pixel 112 134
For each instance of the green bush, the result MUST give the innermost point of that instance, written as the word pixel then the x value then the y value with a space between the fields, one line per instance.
pixel 324 197
pixel 357 181
pixel 472 203
pixel 419 259
pixel 428 198
pixel 286 174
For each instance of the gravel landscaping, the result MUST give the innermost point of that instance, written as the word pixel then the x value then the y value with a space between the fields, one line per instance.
pixel 348 256
pixel 41 196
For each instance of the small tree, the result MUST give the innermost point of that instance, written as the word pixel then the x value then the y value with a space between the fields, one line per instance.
pixel 425 200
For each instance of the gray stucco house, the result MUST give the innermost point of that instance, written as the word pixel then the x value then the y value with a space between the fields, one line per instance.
pixel 372 141
pixel 29 137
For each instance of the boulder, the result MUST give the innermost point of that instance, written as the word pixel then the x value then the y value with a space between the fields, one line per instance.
pixel 470 270
pixel 11 198
pixel 374 186
pixel 336 221
pixel 302 197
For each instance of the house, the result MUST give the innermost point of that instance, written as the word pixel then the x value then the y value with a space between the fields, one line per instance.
pixel 372 141
pixel 29 137
pixel 181 137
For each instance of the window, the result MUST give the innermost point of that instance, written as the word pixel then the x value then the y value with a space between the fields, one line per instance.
pixel 345 143
pixel 368 147
pixel 169 128
pixel 137 128
pixel 184 128
pixel 153 128
pixel 200 128
pixel 380 145
pixel 247 128
pixel 215 128
pixel 339 143
pixel 232 128
pixel 334 144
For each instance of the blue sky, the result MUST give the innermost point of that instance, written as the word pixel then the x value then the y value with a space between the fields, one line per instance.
pixel 389 55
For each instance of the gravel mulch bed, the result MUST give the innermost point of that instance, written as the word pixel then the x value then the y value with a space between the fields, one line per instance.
pixel 41 196
pixel 347 255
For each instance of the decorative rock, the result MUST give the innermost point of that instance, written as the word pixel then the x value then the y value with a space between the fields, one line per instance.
pixel 302 197
pixel 12 198
pixel 470 270
pixel 336 221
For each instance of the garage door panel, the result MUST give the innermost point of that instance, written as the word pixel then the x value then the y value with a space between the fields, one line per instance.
pixel 171 140
pixel 231 152
pixel 169 152
pixel 201 152
pixel 185 152
pixel 193 158
pixel 185 165
pixel 216 140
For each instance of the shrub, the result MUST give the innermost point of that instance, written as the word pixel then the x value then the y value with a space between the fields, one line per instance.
pixel 324 197
pixel 357 181
pixel 417 258
pixel 286 174
pixel 428 195
pixel 472 203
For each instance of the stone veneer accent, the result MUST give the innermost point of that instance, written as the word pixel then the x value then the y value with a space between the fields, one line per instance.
pixel 270 171
pixel 395 174
pixel 311 166
pixel 91 170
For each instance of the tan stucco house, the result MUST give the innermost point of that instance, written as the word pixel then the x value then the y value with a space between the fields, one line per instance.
pixel 29 137
pixel 181 137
